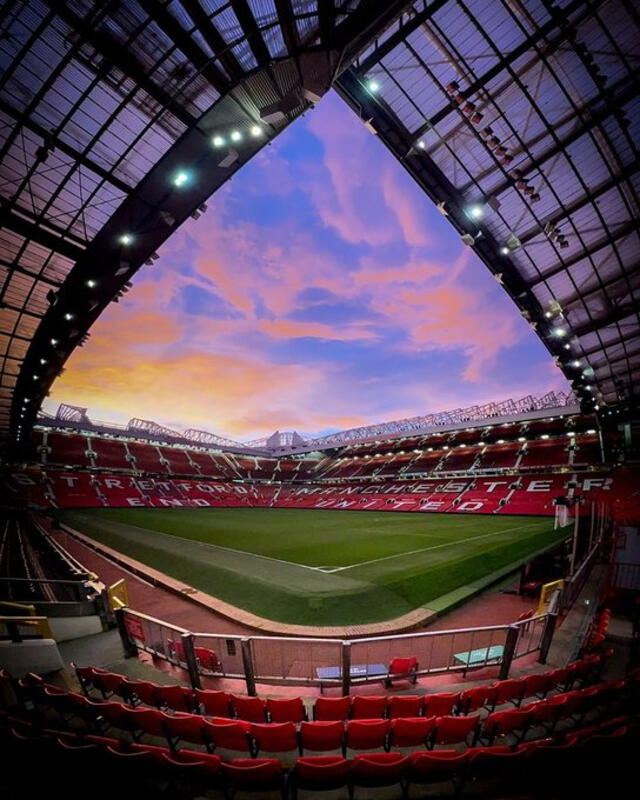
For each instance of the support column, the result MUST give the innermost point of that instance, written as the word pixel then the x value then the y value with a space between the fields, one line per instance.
pixel 247 663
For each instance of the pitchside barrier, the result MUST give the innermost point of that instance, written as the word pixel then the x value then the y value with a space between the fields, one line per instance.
pixel 332 662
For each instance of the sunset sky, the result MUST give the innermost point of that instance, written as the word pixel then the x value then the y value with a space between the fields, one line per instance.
pixel 321 290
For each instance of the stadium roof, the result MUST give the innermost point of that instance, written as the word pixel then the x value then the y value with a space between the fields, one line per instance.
pixel 519 120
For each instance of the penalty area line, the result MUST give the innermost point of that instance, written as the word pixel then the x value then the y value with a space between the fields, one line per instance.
pixel 434 547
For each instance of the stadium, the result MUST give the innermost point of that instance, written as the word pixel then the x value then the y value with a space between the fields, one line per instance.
pixel 408 227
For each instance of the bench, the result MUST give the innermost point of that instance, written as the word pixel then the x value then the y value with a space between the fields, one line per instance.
pixel 481 657
pixel 355 671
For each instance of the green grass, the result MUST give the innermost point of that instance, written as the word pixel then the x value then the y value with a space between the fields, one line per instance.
pixel 266 560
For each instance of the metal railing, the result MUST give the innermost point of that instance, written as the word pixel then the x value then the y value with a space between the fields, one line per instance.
pixel 332 662
pixel 77 590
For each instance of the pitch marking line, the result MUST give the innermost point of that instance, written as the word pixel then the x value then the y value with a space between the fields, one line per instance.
pixel 434 547
pixel 209 546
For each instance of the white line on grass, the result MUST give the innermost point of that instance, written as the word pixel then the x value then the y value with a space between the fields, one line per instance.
pixel 433 547
pixel 208 545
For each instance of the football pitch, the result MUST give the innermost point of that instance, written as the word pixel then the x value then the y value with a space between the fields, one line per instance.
pixel 319 567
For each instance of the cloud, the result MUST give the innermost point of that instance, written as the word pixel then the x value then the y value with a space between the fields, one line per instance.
pixel 321 290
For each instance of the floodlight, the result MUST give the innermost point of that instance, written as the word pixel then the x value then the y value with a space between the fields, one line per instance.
pixel 236 136
pixel 181 179
pixel 373 86
pixel 126 239
pixel 218 141
pixel 256 131
pixel 476 211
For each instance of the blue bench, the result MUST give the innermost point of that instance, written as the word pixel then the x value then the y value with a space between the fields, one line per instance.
pixel 481 657
pixel 356 671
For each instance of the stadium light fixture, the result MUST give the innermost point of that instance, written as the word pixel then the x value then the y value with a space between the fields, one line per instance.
pixel 500 441
pixel 126 239
pixel 476 211
pixel 91 283
pixel 373 85
pixel 256 131
pixel 43 360
pixel 54 342
pixel 597 407
pixel 218 141
pixel 36 377
pixel 576 363
pixel 545 436
pixel 68 316
pixel 504 251
pixel 236 136
pixel 567 346
pixel 591 431
pixel 559 332
pixel 181 178
pixel 522 438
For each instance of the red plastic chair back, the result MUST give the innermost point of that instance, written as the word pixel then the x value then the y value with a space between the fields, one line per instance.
pixel 455 730
pixel 215 704
pixel 405 705
pixel 230 736
pixel 368 707
pixel 275 737
pixel 253 773
pixel 381 767
pixel 322 769
pixel 322 735
pixel 251 709
pixel 331 708
pixel 441 704
pixel 411 731
pixel 178 698
pixel 286 710
pixel 366 734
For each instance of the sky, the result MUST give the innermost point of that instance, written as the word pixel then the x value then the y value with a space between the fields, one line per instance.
pixel 321 290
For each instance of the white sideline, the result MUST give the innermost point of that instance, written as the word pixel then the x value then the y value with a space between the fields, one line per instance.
pixel 433 547
pixel 210 546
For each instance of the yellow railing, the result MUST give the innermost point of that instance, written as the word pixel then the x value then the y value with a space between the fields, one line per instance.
pixel 26 610
pixel 118 595
pixel 40 625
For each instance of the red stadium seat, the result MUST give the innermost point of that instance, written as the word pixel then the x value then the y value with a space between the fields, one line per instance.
pixel 252 709
pixel 319 773
pixel 368 707
pixel 213 703
pixel 232 735
pixel 286 710
pixel 402 669
pixel 456 730
pixel 178 698
pixel 254 775
pixel 183 727
pixel 274 737
pixel 138 692
pixel 477 698
pixel 366 734
pixel 405 705
pixel 437 766
pixel 509 691
pixel 503 723
pixel 331 708
pixel 378 769
pixel 441 704
pixel 411 731
pixel 322 735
